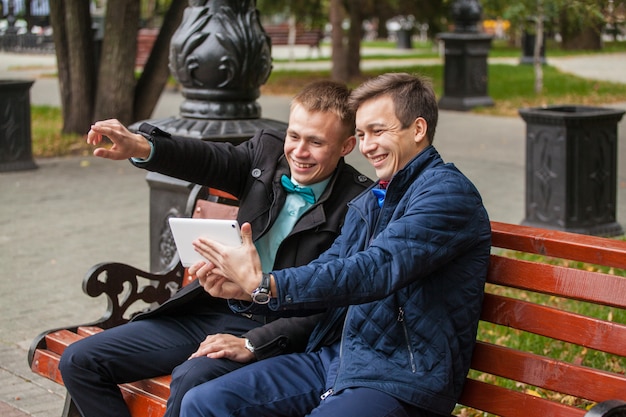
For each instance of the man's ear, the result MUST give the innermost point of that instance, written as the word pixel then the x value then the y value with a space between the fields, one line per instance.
pixel 348 145
pixel 421 128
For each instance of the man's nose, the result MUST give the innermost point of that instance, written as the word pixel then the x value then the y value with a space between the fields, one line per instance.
pixel 367 144
pixel 301 149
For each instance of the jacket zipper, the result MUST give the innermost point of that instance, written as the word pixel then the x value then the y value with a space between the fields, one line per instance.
pixel 331 391
pixel 327 394
pixel 406 337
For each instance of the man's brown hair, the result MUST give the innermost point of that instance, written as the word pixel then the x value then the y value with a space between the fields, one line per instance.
pixel 412 95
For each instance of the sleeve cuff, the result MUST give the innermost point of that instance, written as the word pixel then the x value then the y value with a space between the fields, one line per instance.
pixel 143 161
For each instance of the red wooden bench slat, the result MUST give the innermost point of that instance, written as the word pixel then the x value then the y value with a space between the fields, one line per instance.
pixel 551 374
pixel 219 193
pixel 591 249
pixel 569 327
pixel 159 386
pixel 557 324
pixel 142 404
pixel 88 330
pixel 504 402
pixel 56 342
pixel 557 280
pixel 46 364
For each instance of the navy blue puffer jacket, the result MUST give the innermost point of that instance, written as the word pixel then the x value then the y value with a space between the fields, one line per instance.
pixel 412 274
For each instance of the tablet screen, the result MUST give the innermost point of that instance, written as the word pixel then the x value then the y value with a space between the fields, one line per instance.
pixel 185 230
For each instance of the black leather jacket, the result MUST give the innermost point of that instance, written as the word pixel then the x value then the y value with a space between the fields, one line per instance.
pixel 251 172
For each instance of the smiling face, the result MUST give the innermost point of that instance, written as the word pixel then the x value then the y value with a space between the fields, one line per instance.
pixel 314 143
pixel 383 141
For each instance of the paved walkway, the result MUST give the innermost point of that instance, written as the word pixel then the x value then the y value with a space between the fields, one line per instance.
pixel 71 213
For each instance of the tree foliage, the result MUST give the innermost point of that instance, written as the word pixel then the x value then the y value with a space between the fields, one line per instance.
pixel 346 18
pixel 567 17
pixel 579 23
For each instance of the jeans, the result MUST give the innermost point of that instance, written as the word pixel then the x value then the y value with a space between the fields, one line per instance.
pixel 92 367
pixel 289 385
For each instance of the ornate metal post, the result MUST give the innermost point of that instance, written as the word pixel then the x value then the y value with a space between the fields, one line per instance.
pixel 465 66
pixel 220 55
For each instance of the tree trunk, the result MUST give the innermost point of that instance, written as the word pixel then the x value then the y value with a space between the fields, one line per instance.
pixel 537 51
pixel 355 35
pixel 588 38
pixel 59 36
pixel 339 70
pixel 73 42
pixel 575 37
pixel 116 75
pixel 156 71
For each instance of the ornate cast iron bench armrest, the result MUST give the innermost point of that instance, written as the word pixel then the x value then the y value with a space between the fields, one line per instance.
pixel 126 287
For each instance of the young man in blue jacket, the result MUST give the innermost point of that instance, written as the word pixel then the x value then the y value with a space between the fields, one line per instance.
pixel 409 267
pixel 290 230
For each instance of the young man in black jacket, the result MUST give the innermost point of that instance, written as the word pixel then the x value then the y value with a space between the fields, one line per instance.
pixel 194 336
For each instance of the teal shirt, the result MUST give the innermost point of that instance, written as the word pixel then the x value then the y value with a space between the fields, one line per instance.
pixel 295 206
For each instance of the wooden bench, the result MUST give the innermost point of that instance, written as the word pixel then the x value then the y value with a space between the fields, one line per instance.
pixel 280 35
pixel 524 298
pixel 128 291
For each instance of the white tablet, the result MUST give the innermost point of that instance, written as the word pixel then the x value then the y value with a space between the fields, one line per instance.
pixel 185 230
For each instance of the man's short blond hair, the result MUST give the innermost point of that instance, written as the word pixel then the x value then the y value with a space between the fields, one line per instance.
pixel 327 97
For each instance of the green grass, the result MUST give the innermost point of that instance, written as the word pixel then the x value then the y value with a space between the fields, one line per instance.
pixel 47 139
pixel 510 86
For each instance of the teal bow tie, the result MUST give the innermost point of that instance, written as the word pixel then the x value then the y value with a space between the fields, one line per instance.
pixel 305 192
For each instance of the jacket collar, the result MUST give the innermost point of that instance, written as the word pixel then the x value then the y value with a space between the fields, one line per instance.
pixel 423 160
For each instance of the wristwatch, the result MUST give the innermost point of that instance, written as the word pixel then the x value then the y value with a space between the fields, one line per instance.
pixel 262 293
pixel 248 344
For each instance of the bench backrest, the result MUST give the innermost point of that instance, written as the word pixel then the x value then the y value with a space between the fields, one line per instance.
pixel 579 313
pixel 303 36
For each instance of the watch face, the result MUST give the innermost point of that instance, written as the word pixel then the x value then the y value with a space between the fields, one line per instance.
pixel 260 297
pixel 248 345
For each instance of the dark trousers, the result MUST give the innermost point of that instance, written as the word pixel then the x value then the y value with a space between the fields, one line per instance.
pixel 289 385
pixel 92 367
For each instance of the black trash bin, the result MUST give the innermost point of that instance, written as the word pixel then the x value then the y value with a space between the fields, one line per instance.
pixel 528 49
pixel 15 133
pixel 571 168
pixel 404 39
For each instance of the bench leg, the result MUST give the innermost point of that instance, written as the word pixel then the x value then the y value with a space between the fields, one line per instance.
pixel 69 409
